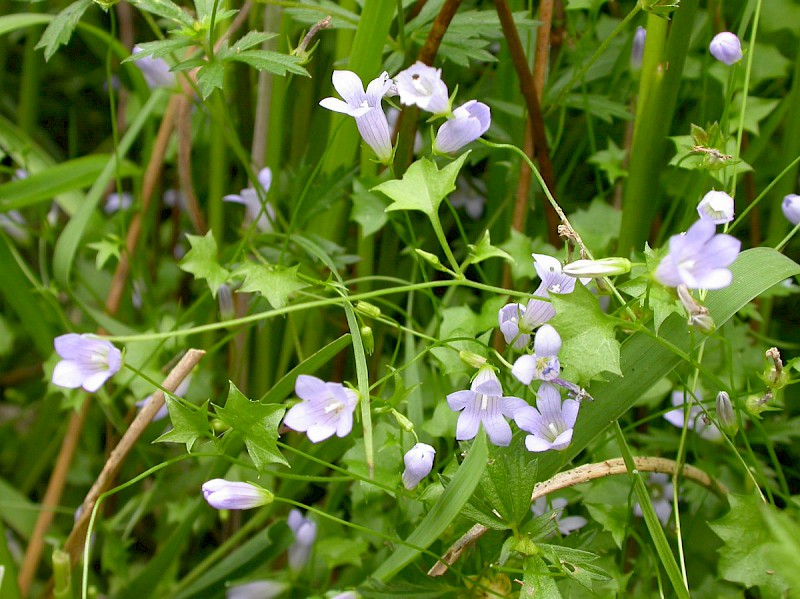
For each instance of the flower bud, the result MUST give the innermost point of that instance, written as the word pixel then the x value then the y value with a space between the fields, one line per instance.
pixel 605 267
pixel 637 50
pixel 791 208
pixel 468 123
pixel 418 461
pixel 716 206
pixel 433 260
pixel 471 359
pixel 367 309
pixel 305 533
pixel 229 495
pixel 703 323
pixel 726 414
pixel 404 422
pixel 368 339
pixel 726 47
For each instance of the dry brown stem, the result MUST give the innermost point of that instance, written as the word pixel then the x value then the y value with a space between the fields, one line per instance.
pixel 576 476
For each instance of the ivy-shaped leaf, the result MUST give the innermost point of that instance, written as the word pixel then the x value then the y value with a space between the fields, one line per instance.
pixel 589 346
pixel 274 283
pixel 423 186
pixel 483 250
pixel 188 424
pixel 257 423
pixel 201 261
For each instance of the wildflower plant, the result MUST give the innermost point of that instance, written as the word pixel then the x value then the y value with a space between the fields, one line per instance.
pixel 469 281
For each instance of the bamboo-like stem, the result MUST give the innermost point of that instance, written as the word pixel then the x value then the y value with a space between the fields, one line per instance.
pixel 535 120
pixel 151 176
pixel 74 543
pixel 407 121
pixel 576 476
pixel 52 497
pixel 184 124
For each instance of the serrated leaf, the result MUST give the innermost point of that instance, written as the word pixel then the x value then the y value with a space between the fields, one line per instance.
pixel 201 261
pixel 60 29
pixel 159 48
pixel 273 282
pixel 274 62
pixel 250 39
pixel 188 424
pixel 210 77
pixel 166 9
pixel 257 423
pixel 483 250
pixel 110 246
pixel 423 186
pixel 589 345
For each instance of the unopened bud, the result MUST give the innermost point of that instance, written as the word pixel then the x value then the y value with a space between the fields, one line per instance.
pixel 404 422
pixel 367 309
pixel 471 359
pixel 368 339
pixel 726 414
pixel 418 461
pixel 433 260
pixel 605 267
pixel 775 377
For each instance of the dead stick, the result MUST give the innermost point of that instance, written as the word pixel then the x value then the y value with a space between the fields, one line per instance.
pixel 52 497
pixel 75 541
pixel 576 476
pixel 528 89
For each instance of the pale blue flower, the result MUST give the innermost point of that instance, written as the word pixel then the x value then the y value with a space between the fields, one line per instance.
pixel 565 524
pixel 791 208
pixel 699 258
pixel 262 214
pixel 697 420
pixel 467 123
pixel 484 404
pixel 637 50
pixel 726 47
pixel 231 495
pixel 418 461
pixel 716 206
pixel 422 86
pixel 365 108
pixel 510 317
pixel 550 423
pixel 543 364
pixel 258 589
pixel 86 362
pixel 327 408
pixel 305 533
pixel 118 201
pixel 156 71
pixel 659 486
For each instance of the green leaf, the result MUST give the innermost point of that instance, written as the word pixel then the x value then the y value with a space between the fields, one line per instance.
pixel 43 185
pixel 110 246
pixel 509 479
pixel 257 423
pixel 442 514
pixel 250 39
pixel 520 247
pixel 538 582
pixel 167 9
pixel 338 551
pixel 210 77
pixel 188 423
pixel 201 261
pixel 423 186
pixel 747 556
pixel 483 250
pixel 159 48
pixel 60 29
pixel 589 346
pixel 369 209
pixel 273 282
pixel 274 62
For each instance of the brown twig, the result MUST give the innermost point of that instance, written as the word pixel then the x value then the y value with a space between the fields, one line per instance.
pixel 528 89
pixel 52 497
pixel 185 162
pixel 74 543
pixel 407 121
pixel 576 476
